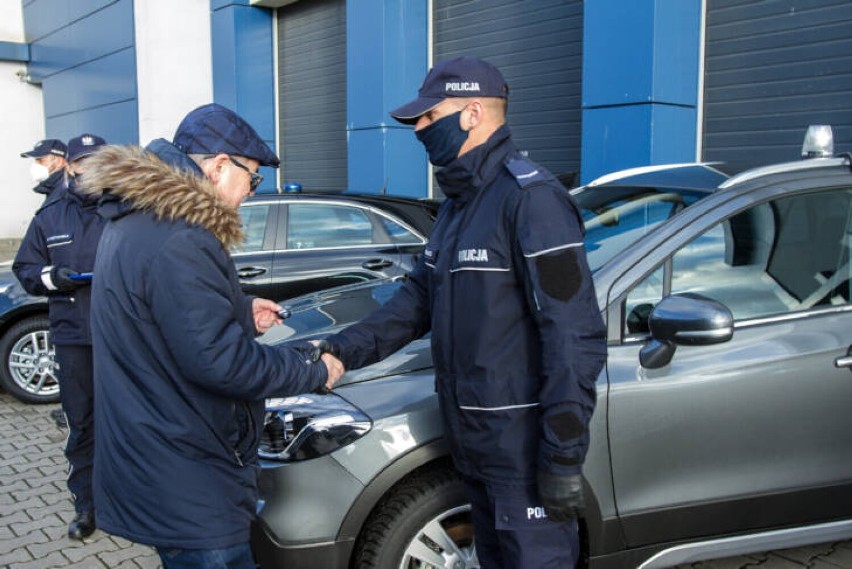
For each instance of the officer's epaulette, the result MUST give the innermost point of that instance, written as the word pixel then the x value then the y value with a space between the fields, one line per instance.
pixel 525 172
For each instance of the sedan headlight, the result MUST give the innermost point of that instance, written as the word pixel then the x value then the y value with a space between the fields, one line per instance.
pixel 308 426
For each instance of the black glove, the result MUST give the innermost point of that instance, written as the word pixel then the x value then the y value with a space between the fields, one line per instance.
pixel 324 347
pixel 561 495
pixel 61 279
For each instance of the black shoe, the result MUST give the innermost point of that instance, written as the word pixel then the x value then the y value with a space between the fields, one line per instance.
pixel 59 418
pixel 82 526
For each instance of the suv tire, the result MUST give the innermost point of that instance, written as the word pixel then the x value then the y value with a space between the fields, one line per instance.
pixel 424 521
pixel 28 370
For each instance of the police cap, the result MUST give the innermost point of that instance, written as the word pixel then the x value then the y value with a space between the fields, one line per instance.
pixel 459 77
pixel 45 147
pixel 83 145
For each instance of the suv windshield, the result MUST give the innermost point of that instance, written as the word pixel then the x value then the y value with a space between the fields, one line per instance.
pixel 616 216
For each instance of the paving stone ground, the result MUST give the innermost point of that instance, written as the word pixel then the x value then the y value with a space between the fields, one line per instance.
pixel 35 509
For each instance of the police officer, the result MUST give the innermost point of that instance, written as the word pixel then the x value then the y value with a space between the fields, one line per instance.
pixel 56 259
pixel 48 167
pixel 517 336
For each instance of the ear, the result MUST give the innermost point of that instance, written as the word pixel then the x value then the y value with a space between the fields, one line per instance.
pixel 475 112
pixel 214 167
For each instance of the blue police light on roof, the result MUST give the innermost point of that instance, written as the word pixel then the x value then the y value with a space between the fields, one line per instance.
pixel 292 188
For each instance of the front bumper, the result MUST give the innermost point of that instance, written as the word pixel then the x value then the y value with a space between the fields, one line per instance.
pixel 271 555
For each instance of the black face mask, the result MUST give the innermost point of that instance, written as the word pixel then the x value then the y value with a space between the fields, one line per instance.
pixel 443 139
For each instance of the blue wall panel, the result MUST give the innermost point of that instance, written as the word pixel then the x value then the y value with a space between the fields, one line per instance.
pixel 98 34
pixel 636 135
pixel 97 83
pixel 387 48
pixel 84 54
pixel 641 108
pixel 117 123
pixel 243 72
pixel 44 17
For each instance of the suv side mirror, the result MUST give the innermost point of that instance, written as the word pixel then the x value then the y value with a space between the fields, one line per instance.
pixel 688 320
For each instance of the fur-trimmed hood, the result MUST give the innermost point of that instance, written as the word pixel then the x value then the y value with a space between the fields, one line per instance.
pixel 143 180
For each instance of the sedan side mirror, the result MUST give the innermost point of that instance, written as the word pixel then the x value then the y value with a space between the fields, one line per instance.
pixel 684 319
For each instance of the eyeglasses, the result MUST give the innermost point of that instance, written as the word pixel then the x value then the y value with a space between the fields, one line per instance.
pixel 256 178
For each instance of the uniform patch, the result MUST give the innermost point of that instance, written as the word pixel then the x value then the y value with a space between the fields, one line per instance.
pixel 566 426
pixel 559 274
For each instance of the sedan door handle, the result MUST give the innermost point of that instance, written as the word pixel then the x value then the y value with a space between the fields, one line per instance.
pixel 248 272
pixel 845 361
pixel 376 264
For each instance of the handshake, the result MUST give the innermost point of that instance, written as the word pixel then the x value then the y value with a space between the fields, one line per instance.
pixel 329 354
pixel 268 314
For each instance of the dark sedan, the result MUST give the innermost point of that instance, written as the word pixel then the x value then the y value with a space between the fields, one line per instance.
pixel 295 244
pixel 300 243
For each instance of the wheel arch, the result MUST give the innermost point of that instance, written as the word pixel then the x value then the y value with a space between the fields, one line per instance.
pixel 596 534
pixel 428 454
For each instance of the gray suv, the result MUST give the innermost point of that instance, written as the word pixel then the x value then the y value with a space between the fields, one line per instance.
pixel 722 425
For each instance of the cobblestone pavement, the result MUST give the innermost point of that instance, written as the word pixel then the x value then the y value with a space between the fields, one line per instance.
pixel 35 509
pixel 35 506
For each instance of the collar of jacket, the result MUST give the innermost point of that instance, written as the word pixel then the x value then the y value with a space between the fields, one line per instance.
pixel 49 184
pixel 465 176
pixel 163 181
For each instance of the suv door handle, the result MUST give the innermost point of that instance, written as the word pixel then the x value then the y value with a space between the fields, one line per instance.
pixel 248 272
pixel 845 361
pixel 376 264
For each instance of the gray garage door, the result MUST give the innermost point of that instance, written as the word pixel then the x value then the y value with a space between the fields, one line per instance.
pixel 312 94
pixel 538 47
pixel 772 67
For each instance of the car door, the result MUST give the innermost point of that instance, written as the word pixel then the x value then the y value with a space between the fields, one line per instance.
pixel 253 258
pixel 756 432
pixel 321 244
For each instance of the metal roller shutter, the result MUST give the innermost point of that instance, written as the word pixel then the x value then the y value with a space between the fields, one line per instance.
pixel 312 94
pixel 538 47
pixel 772 67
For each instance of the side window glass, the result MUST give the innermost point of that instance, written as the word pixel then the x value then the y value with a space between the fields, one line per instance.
pixel 254 219
pixel 399 234
pixel 312 226
pixel 784 256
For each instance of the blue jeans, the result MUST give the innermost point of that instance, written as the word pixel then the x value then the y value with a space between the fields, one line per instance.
pixel 236 557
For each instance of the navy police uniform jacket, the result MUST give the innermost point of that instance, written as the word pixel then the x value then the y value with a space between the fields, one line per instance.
pixel 64 233
pixel 517 336
pixel 180 381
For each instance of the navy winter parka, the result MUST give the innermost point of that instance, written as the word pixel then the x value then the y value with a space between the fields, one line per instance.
pixel 63 233
pixel 517 336
pixel 179 378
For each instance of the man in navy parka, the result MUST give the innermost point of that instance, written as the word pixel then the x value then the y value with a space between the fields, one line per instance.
pixel 517 336
pixel 179 379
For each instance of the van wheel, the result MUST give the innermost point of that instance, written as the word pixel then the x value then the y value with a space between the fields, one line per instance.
pixel 28 369
pixel 424 522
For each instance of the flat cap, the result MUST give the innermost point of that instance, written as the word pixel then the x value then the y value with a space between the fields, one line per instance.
pixel 214 129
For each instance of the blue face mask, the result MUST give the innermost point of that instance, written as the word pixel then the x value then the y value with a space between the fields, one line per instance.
pixel 443 139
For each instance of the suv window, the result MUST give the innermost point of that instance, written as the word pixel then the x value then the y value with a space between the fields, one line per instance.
pixel 316 225
pixel 784 256
pixel 254 226
pixel 617 216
